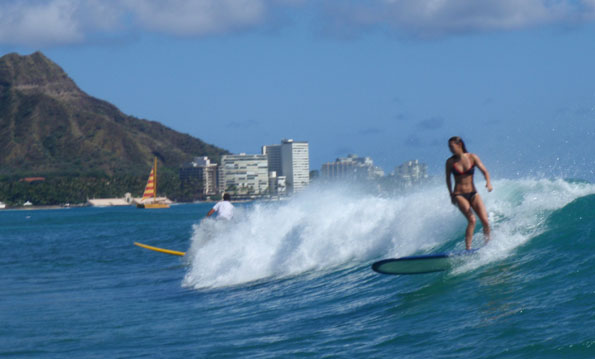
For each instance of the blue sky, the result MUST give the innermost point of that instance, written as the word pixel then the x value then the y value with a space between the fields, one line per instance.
pixel 389 79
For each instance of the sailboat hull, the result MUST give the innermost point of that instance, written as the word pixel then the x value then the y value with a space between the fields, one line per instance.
pixel 151 192
pixel 152 205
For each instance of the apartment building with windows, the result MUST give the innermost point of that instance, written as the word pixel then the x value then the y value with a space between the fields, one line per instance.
pixel 201 175
pixel 244 174
pixel 290 160
pixel 351 167
pixel 295 164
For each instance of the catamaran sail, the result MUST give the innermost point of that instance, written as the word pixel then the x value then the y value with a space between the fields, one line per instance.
pixel 149 199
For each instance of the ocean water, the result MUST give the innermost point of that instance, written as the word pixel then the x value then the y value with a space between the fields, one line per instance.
pixel 292 279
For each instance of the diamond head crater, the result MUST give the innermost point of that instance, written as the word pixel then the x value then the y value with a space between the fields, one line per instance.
pixel 60 145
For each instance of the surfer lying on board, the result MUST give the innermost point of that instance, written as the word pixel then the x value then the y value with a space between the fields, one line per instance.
pixel 224 208
pixel 462 166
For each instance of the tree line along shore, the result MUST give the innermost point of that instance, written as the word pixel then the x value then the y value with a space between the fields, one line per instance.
pixel 76 190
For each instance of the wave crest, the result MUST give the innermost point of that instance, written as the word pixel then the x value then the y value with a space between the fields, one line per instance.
pixel 340 225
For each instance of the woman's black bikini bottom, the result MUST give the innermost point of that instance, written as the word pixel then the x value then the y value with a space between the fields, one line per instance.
pixel 468 196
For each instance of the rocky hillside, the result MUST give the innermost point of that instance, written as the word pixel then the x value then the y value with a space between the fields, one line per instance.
pixel 49 126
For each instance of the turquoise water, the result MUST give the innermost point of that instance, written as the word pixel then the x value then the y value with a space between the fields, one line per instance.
pixel 293 279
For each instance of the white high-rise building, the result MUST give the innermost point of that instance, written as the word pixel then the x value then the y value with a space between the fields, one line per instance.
pixel 352 168
pixel 290 161
pixel 244 174
pixel 295 164
pixel 412 172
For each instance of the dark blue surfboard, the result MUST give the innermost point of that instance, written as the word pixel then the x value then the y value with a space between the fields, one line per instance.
pixel 421 264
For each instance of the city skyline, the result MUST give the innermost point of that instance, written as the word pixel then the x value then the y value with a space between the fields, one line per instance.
pixel 280 169
pixel 392 80
pixel 265 148
pixel 283 170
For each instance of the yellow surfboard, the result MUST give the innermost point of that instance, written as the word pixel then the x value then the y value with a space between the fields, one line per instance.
pixel 162 250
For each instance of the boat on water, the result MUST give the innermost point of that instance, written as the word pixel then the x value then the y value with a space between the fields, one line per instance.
pixel 127 200
pixel 150 199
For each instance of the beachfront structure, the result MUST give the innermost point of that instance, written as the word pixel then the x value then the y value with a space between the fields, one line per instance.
pixel 290 160
pixel 351 167
pixel 200 173
pixel 277 184
pixel 273 153
pixel 295 164
pixel 244 175
pixel 127 200
pixel 411 172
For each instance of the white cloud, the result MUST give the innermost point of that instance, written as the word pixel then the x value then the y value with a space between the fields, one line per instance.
pixel 434 18
pixel 55 22
pixel 38 22
pixel 196 17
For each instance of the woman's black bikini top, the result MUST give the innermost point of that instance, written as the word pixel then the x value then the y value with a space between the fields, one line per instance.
pixel 458 173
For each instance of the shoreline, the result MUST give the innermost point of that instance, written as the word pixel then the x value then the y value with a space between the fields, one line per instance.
pixel 31 208
pixel 80 205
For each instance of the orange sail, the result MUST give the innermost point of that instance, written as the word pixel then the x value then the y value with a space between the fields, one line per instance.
pixel 151 192
pixel 150 187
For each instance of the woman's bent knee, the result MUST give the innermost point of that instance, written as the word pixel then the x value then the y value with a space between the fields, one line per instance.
pixel 471 219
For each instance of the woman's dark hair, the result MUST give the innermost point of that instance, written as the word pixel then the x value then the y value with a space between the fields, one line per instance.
pixel 226 197
pixel 457 140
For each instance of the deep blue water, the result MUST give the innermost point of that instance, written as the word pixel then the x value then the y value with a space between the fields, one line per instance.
pixel 293 279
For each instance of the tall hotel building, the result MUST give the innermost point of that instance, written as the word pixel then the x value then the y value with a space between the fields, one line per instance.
pixel 295 164
pixel 412 172
pixel 244 174
pixel 273 153
pixel 353 168
pixel 290 160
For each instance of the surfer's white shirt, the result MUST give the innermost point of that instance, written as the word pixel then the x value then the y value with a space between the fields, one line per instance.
pixel 224 210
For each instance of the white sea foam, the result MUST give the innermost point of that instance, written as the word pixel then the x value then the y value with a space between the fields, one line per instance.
pixel 518 211
pixel 339 225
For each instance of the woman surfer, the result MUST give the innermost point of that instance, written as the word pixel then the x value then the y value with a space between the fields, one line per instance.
pixel 462 166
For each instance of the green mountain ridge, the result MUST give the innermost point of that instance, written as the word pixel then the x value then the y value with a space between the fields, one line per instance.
pixel 49 126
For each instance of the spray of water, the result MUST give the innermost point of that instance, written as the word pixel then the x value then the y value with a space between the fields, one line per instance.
pixel 341 225
pixel 518 212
